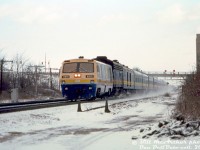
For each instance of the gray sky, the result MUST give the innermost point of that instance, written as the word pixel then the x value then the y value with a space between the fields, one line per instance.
pixel 154 35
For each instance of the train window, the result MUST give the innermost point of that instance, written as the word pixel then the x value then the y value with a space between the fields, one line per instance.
pixel 127 78
pixel 70 67
pixel 86 67
pixel 78 67
pixel 98 69
pixel 110 73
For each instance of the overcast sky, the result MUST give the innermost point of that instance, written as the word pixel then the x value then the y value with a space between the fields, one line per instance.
pixel 154 35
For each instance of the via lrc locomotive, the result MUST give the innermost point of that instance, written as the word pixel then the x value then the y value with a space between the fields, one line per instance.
pixel 85 79
pixel 91 78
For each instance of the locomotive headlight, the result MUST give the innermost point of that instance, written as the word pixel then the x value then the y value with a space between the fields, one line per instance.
pixel 77 75
pixel 66 88
pixel 91 81
pixel 90 88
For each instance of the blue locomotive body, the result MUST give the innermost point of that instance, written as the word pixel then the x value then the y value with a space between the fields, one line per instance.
pixel 78 91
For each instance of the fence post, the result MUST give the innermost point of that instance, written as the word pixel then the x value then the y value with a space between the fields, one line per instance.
pixel 106 107
pixel 79 106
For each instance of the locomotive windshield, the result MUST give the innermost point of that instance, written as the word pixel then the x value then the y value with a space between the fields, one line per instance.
pixel 82 67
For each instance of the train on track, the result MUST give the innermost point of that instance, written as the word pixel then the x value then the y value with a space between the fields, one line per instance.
pixel 89 79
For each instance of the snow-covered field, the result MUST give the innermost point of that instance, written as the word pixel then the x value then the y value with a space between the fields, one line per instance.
pixel 63 128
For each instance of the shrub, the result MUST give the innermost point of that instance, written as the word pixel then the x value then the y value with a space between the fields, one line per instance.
pixel 189 99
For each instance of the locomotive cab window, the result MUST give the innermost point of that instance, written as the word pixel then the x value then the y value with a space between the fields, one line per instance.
pixel 82 67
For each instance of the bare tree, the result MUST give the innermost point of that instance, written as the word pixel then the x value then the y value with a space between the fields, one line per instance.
pixel 22 74
pixel 4 74
pixel 188 103
pixel 19 74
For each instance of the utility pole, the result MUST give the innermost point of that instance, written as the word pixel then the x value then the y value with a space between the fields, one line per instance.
pixel 1 76
pixel 51 79
pixel 45 63
pixel 2 63
pixel 50 73
pixel 36 84
pixel 198 52
pixel 18 79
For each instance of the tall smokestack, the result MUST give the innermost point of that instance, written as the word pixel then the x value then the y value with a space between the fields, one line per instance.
pixel 198 52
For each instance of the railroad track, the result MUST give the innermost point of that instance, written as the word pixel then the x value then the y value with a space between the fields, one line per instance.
pixel 22 106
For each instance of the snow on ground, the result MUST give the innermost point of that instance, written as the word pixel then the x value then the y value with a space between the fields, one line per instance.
pixel 63 128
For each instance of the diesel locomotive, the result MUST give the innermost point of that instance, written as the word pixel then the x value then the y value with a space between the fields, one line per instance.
pixel 89 79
